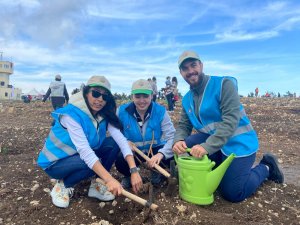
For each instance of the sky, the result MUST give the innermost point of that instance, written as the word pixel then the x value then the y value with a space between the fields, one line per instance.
pixel 255 41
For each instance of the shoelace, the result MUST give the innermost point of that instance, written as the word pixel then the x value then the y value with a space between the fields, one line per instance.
pixel 66 191
pixel 102 189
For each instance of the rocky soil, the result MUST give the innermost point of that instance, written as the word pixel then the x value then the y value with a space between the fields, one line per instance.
pixel 24 187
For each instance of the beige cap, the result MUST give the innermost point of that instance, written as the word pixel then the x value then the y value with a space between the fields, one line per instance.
pixel 57 77
pixel 141 87
pixel 186 55
pixel 98 81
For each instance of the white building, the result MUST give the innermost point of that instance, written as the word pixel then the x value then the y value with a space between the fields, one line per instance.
pixel 7 91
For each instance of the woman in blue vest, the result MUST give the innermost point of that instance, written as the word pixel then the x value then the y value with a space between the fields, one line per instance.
pixel 212 107
pixel 77 147
pixel 148 126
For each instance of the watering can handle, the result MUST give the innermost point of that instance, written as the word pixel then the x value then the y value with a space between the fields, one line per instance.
pixel 188 150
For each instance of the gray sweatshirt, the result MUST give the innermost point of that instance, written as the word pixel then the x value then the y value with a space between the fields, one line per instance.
pixel 229 106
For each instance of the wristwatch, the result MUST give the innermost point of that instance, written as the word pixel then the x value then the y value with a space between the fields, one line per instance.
pixel 134 170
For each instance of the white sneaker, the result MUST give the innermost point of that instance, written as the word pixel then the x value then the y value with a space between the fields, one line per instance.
pixel 100 192
pixel 61 195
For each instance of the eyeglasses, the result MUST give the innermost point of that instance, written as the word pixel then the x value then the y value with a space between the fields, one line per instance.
pixel 97 94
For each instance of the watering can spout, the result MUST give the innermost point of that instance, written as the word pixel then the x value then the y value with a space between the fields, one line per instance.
pixel 215 176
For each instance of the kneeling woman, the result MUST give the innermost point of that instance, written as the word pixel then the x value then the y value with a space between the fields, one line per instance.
pixel 77 147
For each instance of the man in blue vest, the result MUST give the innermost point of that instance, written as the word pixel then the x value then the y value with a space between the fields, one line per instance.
pixel 147 125
pixel 212 107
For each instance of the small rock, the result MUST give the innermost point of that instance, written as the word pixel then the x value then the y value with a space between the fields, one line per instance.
pixel 36 186
pixel 34 203
pixel 114 203
pixel 102 204
pixel 193 216
pixel 127 200
pixel 260 205
pixel 181 208
pixel 47 190
pixel 19 198
pixel 111 211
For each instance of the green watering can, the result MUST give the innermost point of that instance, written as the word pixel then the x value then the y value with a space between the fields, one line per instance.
pixel 197 180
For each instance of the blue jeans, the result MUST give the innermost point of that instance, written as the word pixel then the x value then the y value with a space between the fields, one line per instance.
pixel 240 180
pixel 73 169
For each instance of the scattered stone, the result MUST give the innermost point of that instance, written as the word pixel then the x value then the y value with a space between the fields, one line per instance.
pixel 102 204
pixel 127 200
pixel 181 208
pixel 34 202
pixel 36 186
pixel 114 203
pixel 111 211
pixel 47 190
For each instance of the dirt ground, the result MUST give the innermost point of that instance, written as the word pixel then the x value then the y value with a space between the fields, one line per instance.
pixel 24 187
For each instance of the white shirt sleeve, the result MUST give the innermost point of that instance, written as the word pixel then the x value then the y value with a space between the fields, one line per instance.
pixel 120 140
pixel 168 132
pixel 79 140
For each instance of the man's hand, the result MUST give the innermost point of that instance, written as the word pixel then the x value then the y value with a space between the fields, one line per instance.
pixel 198 151
pixel 136 182
pixel 155 159
pixel 179 147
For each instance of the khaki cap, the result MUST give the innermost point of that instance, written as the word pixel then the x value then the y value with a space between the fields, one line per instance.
pixel 186 55
pixel 141 87
pixel 98 81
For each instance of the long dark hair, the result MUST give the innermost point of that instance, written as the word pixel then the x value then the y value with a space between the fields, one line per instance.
pixel 108 112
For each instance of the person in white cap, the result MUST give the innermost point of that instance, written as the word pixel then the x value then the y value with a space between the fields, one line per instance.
pixel 212 107
pixel 148 126
pixel 77 147
pixel 58 92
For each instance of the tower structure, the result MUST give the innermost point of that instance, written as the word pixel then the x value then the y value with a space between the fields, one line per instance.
pixel 7 91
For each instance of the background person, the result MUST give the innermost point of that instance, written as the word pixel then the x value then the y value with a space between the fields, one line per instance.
pixel 146 124
pixel 154 87
pixel 175 91
pixel 59 93
pixel 213 108
pixel 169 94
pixel 77 147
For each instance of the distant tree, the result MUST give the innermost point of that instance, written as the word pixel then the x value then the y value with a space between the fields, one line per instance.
pixel 76 90
pixel 288 94
pixel 251 95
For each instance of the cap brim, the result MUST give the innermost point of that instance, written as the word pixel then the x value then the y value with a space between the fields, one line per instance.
pixel 188 57
pixel 142 91
pixel 98 85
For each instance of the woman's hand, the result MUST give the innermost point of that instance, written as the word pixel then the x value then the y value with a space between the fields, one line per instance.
pixel 155 159
pixel 136 182
pixel 179 147
pixel 114 186
pixel 198 151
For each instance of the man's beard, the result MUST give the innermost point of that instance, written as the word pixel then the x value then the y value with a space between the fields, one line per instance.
pixel 196 83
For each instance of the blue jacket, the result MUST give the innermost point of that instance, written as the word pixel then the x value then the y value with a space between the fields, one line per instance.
pixel 59 145
pixel 243 142
pixel 153 127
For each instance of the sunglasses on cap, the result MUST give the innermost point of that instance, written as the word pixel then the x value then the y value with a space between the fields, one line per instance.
pixel 97 94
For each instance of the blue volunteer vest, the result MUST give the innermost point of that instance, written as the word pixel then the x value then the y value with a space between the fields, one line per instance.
pixel 59 145
pixel 132 130
pixel 244 140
